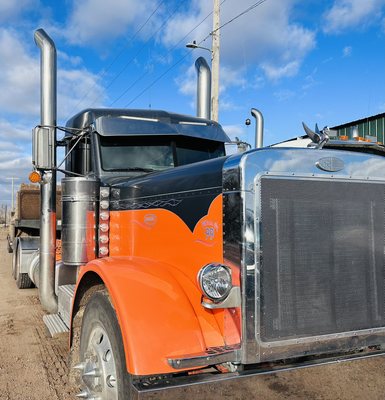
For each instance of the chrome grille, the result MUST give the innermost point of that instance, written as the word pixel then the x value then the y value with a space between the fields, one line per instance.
pixel 322 269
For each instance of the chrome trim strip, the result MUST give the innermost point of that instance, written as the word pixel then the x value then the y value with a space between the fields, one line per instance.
pixel 323 338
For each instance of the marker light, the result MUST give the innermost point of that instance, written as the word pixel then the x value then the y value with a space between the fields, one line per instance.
pixel 104 192
pixel 34 177
pixel 104 216
pixel 215 281
pixel 103 251
pixel 104 204
pixel 104 221
pixel 104 227
pixel 103 239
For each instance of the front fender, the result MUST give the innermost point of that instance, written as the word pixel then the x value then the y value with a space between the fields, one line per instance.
pixel 157 315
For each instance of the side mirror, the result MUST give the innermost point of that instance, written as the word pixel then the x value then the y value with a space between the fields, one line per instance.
pixel 43 147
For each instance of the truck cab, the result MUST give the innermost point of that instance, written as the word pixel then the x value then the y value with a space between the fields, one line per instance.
pixel 112 143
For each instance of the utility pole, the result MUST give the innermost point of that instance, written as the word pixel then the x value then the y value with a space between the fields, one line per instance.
pixel 13 192
pixel 215 61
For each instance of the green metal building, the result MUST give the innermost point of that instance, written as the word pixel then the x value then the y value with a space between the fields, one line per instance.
pixel 370 128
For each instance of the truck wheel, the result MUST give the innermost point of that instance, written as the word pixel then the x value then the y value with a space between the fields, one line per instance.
pixel 101 352
pixel 11 238
pixel 22 279
pixel 9 247
pixel 15 244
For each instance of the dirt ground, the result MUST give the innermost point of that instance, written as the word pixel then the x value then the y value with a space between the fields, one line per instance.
pixel 34 366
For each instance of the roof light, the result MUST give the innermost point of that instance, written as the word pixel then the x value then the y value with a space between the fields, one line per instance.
pixel 139 118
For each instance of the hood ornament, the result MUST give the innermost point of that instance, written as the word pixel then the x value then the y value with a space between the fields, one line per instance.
pixel 319 138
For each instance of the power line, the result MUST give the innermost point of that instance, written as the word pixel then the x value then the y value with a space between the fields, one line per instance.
pixel 169 51
pixel 193 29
pixel 258 3
pixel 137 32
pixel 138 52
pixel 130 87
pixel 172 66
pixel 104 71
pixel 157 79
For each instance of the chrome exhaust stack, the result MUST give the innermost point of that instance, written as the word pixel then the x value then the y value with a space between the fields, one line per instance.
pixel 203 88
pixel 45 145
pixel 258 127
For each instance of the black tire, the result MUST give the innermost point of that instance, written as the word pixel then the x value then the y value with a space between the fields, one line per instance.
pixel 11 238
pixel 9 247
pixel 99 331
pixel 15 244
pixel 22 279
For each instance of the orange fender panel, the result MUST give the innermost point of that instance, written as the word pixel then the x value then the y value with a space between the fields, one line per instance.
pixel 156 317
pixel 151 276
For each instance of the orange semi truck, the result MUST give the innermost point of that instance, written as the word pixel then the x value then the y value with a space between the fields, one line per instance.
pixel 181 266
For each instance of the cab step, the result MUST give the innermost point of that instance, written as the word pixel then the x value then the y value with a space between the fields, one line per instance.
pixel 55 324
pixel 59 323
pixel 65 295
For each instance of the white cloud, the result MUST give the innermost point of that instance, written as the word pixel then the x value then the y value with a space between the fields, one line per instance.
pixel 275 72
pixel 13 131
pixel 78 89
pixel 20 76
pixel 95 21
pixel 21 81
pixel 264 43
pixel 347 51
pixel 235 131
pixel 19 166
pixel 345 14
pixel 180 25
pixel 232 77
pixel 73 60
pixel 187 83
pixel 226 104
pixel 265 35
pixel 310 80
pixel 11 9
pixel 20 99
pixel 284 94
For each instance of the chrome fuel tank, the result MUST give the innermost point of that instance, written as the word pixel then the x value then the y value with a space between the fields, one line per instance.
pixel 80 200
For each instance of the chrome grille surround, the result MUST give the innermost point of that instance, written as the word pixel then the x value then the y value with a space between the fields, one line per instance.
pixel 244 246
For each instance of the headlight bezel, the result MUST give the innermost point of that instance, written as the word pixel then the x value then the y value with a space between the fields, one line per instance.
pixel 211 269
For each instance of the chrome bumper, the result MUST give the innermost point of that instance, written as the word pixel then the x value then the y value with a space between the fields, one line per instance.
pixel 238 385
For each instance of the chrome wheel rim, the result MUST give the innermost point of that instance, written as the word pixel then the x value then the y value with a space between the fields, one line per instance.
pixel 99 367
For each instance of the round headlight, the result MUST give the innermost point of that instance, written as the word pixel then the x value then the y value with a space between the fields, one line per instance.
pixel 215 281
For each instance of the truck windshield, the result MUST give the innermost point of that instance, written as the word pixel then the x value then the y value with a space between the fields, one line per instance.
pixel 155 153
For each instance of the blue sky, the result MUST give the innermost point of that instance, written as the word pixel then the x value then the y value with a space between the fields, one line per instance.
pixel 312 61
